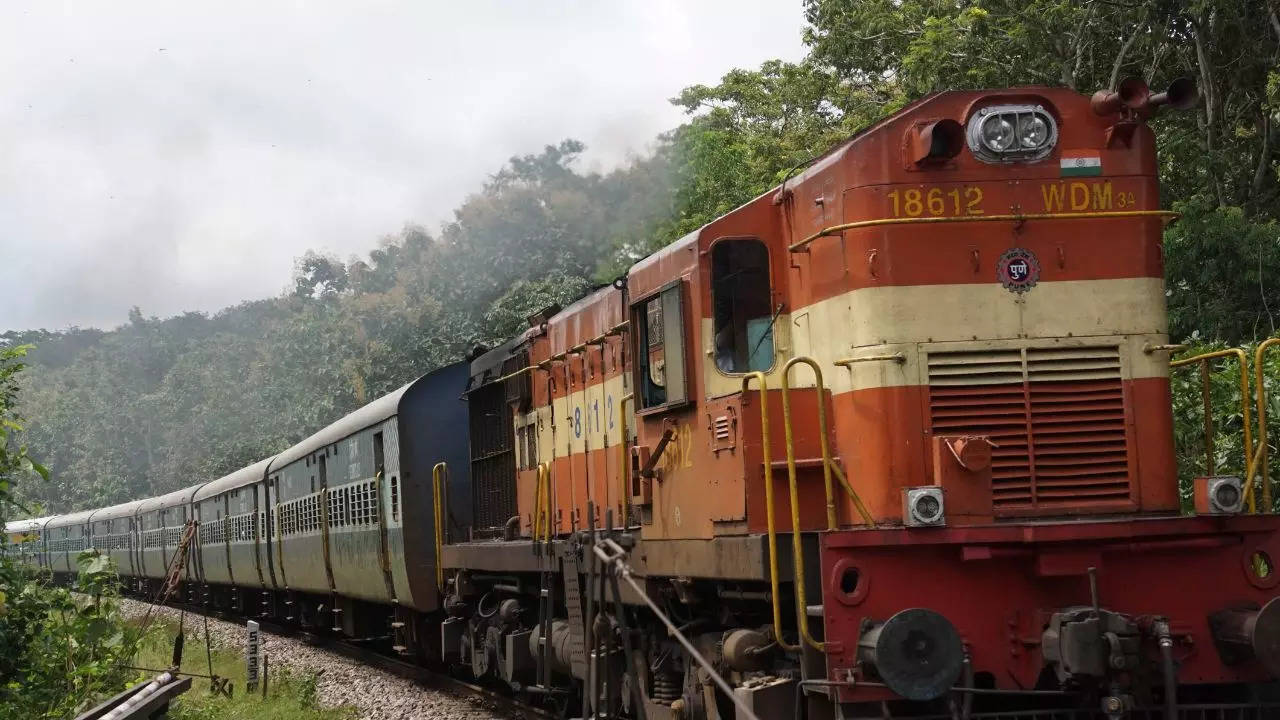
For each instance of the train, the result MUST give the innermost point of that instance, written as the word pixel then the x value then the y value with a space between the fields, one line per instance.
pixel 893 439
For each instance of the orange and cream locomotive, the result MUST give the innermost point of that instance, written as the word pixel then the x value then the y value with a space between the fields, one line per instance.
pixel 893 439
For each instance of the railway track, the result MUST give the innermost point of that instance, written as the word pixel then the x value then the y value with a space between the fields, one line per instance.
pixel 364 654
pixel 507 706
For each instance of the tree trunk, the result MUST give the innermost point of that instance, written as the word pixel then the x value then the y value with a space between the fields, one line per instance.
pixel 1264 156
pixel 1124 50
pixel 1209 92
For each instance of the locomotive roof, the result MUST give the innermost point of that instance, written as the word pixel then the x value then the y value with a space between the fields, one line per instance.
pixel 375 412
pixel 168 500
pixel 115 511
pixel 28 525
pixel 238 479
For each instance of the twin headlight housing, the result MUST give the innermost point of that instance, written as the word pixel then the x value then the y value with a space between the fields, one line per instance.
pixel 1004 133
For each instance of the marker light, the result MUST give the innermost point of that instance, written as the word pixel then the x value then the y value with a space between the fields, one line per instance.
pixel 1218 495
pixel 923 506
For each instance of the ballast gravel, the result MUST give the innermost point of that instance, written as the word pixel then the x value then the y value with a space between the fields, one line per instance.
pixel 375 693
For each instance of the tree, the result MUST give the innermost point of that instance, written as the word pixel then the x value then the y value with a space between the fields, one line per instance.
pixel 62 651
pixel 317 275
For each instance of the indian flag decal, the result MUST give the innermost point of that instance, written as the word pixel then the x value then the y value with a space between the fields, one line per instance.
pixel 1081 163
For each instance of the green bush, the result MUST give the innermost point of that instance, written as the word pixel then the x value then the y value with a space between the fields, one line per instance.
pixel 63 649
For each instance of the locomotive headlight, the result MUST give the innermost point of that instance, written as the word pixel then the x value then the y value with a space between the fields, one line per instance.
pixel 1032 131
pixel 1008 133
pixel 997 133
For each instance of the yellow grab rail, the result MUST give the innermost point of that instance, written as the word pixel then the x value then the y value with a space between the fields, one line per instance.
pixel 1243 359
pixel 624 460
pixel 797 551
pixel 853 495
pixel 798 246
pixel 770 517
pixel 542 505
pixel 822 433
pixel 439 476
pixel 1260 397
pixel 536 529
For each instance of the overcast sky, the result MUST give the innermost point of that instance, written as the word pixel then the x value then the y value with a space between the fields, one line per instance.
pixel 179 157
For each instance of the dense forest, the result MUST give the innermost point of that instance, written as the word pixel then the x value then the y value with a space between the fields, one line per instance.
pixel 156 404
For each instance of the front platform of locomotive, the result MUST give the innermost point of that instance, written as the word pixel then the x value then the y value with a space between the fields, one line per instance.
pixel 984 273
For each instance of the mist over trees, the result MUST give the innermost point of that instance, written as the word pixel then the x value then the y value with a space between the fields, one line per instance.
pixel 158 404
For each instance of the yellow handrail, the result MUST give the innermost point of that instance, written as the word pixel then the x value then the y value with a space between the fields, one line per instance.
pixel 797 551
pixel 796 247
pixel 549 529
pixel 624 464
pixel 542 505
pixel 537 503
pixel 770 517
pixel 1243 360
pixel 439 475
pixel 822 432
pixel 1260 397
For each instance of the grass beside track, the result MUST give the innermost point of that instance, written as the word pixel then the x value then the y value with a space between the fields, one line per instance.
pixel 290 695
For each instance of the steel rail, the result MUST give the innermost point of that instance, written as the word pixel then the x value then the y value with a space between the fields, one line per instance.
pixel 369 656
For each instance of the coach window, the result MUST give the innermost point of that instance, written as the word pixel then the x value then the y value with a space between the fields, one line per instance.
pixel 741 300
pixel 660 356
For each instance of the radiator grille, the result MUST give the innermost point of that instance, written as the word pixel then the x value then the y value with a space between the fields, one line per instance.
pixel 1056 414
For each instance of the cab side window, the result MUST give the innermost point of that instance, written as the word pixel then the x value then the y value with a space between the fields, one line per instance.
pixel 741 298
pixel 660 356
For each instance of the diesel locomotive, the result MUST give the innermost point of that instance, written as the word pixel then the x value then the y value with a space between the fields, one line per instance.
pixel 893 439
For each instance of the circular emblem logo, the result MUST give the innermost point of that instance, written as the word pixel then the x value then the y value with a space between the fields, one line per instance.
pixel 1018 270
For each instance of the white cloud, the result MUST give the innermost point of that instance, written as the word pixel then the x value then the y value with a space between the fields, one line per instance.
pixel 179 156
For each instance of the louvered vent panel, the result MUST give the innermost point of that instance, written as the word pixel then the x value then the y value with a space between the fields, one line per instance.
pixel 1056 414
pixel 721 427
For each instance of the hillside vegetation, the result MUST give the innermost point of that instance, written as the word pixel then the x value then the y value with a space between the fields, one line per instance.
pixel 161 403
